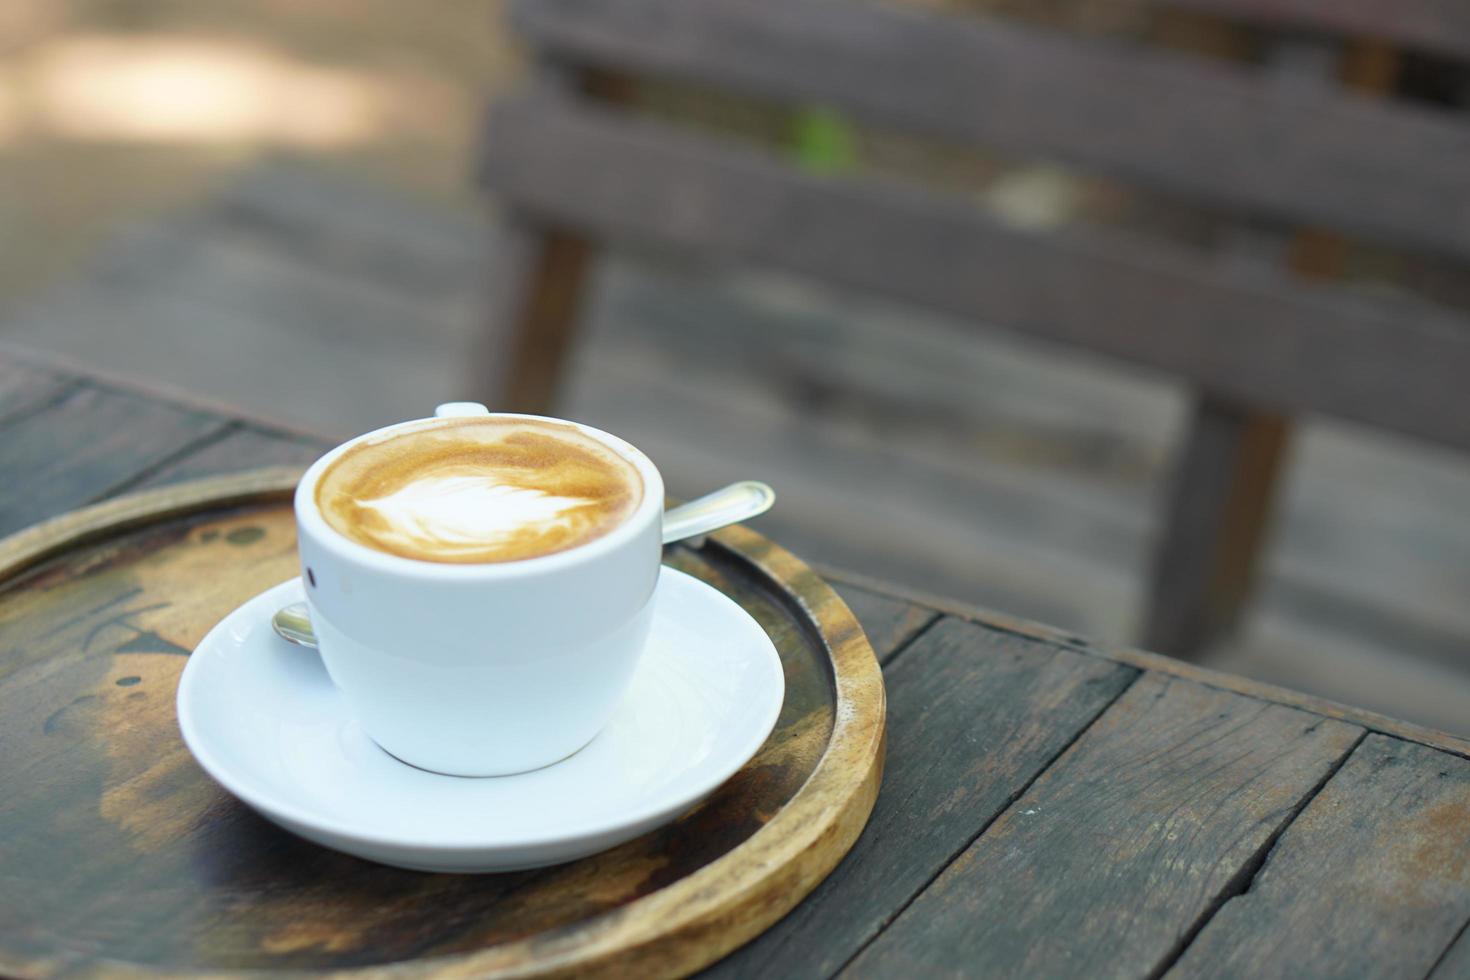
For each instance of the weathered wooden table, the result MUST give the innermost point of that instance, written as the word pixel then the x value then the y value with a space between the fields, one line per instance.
pixel 1049 808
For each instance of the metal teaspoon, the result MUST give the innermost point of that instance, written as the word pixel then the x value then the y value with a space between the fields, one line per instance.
pixel 730 505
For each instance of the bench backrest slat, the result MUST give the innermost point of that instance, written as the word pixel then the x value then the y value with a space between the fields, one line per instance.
pixel 1439 26
pixel 1219 133
pixel 1254 334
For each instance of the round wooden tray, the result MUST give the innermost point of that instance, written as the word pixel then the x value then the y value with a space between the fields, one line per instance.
pixel 118 855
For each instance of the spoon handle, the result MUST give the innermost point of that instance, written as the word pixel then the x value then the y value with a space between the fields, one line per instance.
pixel 735 503
pixel 730 505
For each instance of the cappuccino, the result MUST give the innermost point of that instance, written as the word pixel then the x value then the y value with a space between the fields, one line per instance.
pixel 479 490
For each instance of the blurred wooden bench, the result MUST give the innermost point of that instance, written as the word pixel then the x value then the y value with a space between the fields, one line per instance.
pixel 1280 144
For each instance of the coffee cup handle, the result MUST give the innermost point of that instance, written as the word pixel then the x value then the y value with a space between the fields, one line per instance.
pixel 459 410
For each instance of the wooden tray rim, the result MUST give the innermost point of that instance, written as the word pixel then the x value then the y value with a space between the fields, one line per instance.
pixel 677 929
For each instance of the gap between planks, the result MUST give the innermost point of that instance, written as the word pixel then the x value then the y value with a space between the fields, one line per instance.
pixel 1238 885
pixel 1243 880
pixel 73 370
pixel 986 618
pixel 1010 801
pixel 1158 663
pixel 1445 954
pixel 223 431
pixel 887 660
pixel 68 386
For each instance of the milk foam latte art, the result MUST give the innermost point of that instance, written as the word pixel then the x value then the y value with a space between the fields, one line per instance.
pixel 479 490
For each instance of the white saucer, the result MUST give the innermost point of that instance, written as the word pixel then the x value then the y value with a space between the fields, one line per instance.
pixel 264 720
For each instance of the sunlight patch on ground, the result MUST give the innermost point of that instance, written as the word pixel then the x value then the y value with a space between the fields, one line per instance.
pixel 171 89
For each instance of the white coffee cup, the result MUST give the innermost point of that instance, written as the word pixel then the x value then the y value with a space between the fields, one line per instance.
pixel 482 669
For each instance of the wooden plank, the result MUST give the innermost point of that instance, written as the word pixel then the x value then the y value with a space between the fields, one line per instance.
pixel 1434 25
pixel 244 447
pixel 837 399
pixel 1219 505
pixel 1310 156
pixel 1157 814
pixel 1370 880
pixel 151 387
pixel 268 290
pixel 838 467
pixel 336 222
pixel 1246 333
pixel 974 716
pixel 84 446
pixel 890 623
pixel 1455 963
pixel 99 522
pixel 25 387
pixel 859 500
pixel 1159 664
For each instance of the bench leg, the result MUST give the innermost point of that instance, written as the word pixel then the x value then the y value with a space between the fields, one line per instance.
pixel 535 291
pixel 1218 513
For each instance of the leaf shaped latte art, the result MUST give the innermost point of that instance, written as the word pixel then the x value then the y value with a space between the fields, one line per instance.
pixel 450 515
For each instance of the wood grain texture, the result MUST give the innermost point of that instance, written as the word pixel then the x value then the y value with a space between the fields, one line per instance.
pixel 24 388
pixel 1223 134
pixel 1433 25
pixel 975 716
pixel 244 447
pixel 75 529
pixel 1104 865
pixel 890 623
pixel 1250 334
pixel 87 443
pixel 172 388
pixel 1166 666
pixel 178 875
pixel 304 296
pixel 1371 879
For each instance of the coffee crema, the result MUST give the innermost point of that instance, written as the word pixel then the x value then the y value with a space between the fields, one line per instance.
pixel 479 490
